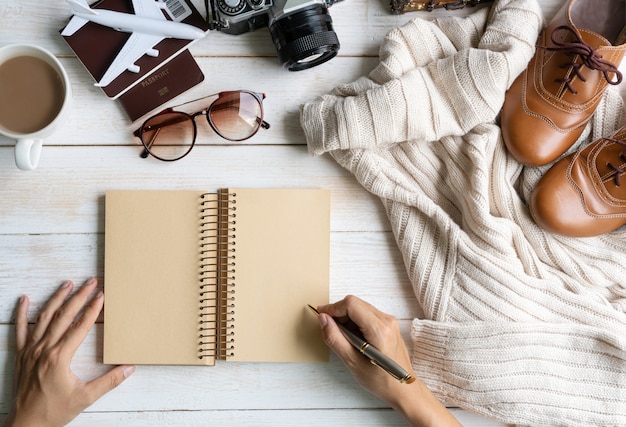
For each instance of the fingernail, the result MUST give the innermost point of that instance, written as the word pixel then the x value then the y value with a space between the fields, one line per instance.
pixel 128 371
pixel 66 284
pixel 91 281
pixel 99 295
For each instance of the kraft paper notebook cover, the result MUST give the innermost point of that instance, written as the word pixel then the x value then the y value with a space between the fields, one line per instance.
pixel 194 277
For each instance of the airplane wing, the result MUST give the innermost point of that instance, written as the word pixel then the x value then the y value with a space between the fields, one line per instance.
pixel 75 24
pixel 149 8
pixel 138 44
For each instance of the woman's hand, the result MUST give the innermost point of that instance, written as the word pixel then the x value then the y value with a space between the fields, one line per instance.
pixel 46 391
pixel 414 401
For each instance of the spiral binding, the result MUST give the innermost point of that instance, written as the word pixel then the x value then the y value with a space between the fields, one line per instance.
pixel 216 336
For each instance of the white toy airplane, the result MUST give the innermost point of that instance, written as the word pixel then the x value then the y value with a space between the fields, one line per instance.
pixel 148 26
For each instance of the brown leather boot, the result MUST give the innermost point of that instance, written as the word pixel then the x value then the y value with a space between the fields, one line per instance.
pixel 584 194
pixel 548 106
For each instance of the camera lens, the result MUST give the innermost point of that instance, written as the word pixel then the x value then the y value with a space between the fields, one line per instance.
pixel 305 38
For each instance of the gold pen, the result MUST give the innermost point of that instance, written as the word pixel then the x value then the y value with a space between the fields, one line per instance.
pixel 373 354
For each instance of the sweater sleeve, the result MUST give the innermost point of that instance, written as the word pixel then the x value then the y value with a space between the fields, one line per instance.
pixel 533 373
pixel 435 78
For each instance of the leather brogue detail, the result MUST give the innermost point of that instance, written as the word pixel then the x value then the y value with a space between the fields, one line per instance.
pixel 584 194
pixel 549 104
pixel 582 55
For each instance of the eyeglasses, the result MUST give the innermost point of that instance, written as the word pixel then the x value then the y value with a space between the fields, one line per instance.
pixel 170 135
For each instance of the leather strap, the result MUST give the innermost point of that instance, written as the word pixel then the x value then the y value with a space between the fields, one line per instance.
pixel 401 6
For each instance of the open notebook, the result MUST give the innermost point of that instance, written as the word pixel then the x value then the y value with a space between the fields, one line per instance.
pixel 192 277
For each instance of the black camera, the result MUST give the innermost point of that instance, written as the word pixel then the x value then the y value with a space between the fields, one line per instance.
pixel 301 30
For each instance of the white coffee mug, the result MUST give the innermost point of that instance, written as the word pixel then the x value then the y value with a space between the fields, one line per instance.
pixel 35 99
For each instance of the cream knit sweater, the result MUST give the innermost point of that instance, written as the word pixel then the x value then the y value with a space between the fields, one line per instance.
pixel 523 326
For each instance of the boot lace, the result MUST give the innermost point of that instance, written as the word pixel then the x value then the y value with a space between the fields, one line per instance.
pixel 588 57
pixel 617 170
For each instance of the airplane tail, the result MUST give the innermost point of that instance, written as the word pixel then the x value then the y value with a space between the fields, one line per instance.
pixel 78 7
pixel 81 6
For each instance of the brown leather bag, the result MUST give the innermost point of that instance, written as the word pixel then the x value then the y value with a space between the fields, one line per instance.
pixel 400 6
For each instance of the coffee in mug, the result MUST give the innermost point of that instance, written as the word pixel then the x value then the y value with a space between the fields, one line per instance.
pixel 34 97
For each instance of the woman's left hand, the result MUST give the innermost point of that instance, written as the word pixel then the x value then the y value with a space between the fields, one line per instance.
pixel 46 391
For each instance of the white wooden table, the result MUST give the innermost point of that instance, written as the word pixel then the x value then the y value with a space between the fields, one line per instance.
pixel 52 222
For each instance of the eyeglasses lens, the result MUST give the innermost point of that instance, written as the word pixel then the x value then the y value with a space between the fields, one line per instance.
pixel 169 136
pixel 236 115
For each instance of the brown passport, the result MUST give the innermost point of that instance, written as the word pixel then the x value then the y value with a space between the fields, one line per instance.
pixel 96 46
pixel 167 82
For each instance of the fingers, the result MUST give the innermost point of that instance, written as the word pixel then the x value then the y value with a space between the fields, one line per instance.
pixel 21 323
pixel 98 387
pixel 77 332
pixel 66 314
pixel 333 337
pixel 355 308
pixel 47 314
pixel 379 328
pixel 337 342
pixel 365 315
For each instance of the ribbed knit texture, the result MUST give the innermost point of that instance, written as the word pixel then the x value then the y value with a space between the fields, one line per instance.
pixel 523 326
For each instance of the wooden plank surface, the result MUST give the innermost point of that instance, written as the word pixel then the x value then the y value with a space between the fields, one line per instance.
pixel 52 221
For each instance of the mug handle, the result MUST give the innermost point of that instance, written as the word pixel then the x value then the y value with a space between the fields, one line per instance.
pixel 27 152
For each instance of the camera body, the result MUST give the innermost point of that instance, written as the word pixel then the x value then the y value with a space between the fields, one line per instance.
pixel 301 30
